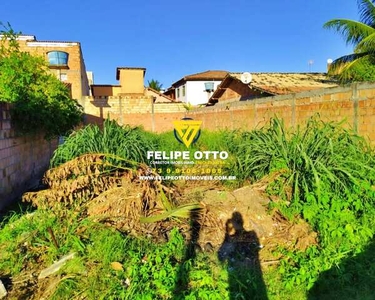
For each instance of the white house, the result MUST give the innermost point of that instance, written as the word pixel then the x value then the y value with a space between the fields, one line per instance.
pixel 196 88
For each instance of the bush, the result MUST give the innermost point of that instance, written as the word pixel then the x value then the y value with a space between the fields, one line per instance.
pixel 323 173
pixel 124 142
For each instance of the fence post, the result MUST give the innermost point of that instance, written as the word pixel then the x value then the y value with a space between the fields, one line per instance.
pixel 354 98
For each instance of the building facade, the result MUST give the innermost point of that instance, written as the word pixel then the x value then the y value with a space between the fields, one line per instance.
pixel 65 60
pixel 196 89
pixel 131 83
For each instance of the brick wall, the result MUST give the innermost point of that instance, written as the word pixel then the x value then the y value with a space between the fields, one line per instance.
pixel 133 110
pixel 23 159
pixel 353 103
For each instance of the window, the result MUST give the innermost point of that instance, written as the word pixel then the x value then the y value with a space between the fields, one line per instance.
pixel 209 86
pixel 183 91
pixel 63 77
pixel 58 58
pixel 178 93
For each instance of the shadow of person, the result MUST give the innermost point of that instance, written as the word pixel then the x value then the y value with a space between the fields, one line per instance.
pixel 240 251
pixel 353 278
pixel 182 279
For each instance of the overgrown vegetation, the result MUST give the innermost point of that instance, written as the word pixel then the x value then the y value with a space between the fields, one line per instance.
pixel 40 102
pixel 323 173
pixel 319 172
pixel 126 143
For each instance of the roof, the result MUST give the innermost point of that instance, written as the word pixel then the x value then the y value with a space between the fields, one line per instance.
pixel 278 83
pixel 31 39
pixel 207 75
pixel 160 97
pixel 128 68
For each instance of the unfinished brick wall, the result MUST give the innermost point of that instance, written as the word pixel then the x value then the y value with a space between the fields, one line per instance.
pixel 355 104
pixel 23 159
pixel 133 110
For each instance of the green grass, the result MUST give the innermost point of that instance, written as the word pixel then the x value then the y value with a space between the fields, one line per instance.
pixel 128 143
pixel 148 270
pixel 353 278
pixel 323 174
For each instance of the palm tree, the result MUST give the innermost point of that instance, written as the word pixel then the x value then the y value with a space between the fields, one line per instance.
pixel 155 84
pixel 360 34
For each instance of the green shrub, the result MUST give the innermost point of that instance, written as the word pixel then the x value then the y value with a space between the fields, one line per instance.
pixel 325 174
pixel 125 142
pixel 316 157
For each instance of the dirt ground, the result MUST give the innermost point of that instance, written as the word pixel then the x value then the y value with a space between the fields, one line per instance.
pixel 224 214
pixel 227 219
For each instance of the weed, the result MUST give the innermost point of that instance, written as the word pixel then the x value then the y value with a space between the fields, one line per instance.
pixel 122 141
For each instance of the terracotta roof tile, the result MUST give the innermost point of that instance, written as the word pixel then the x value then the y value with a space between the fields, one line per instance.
pixel 287 83
pixel 207 75
pixel 277 83
pixel 210 74
pixel 152 92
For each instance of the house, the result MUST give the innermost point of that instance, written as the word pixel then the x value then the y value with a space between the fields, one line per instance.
pixel 131 83
pixel 268 84
pixel 197 88
pixel 65 60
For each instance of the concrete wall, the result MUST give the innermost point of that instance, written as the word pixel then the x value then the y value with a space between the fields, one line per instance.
pixel 105 90
pixel 23 159
pixel 131 80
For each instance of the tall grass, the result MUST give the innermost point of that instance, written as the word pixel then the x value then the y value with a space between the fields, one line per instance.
pixel 123 141
pixel 321 172
pixel 313 158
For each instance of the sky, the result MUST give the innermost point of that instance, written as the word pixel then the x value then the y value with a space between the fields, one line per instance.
pixel 172 39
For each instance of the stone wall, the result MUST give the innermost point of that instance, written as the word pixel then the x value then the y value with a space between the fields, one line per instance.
pixel 23 159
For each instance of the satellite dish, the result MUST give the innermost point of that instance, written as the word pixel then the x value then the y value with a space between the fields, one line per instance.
pixel 246 78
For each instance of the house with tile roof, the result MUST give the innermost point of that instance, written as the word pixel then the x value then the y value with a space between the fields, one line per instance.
pixel 268 84
pixel 196 88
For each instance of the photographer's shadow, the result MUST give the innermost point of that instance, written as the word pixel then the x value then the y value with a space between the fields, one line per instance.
pixel 240 250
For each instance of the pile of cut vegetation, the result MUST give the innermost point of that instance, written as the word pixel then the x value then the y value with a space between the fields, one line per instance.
pixel 108 194
pixel 116 196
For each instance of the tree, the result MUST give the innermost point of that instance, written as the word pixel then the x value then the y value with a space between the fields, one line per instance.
pixel 360 65
pixel 40 102
pixel 155 84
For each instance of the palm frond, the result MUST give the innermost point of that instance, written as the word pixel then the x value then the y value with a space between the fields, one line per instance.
pixel 344 65
pixel 367 12
pixel 182 211
pixel 352 31
pixel 367 44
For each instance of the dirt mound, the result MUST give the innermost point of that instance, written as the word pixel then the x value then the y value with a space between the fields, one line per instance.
pixel 242 215
pixel 119 198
